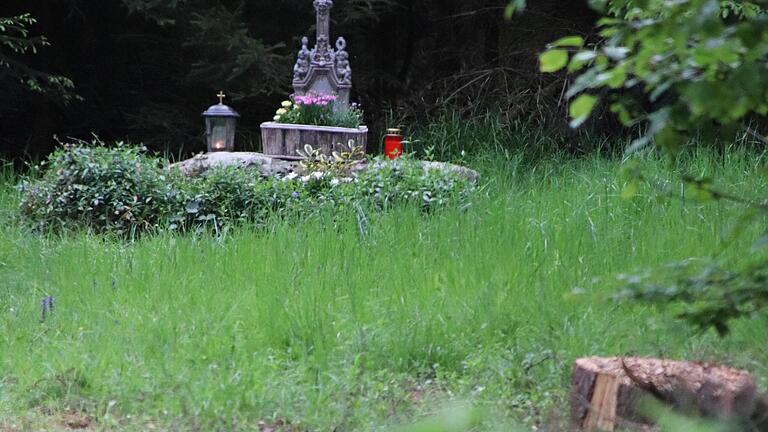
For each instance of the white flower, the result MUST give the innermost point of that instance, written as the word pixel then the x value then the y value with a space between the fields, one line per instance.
pixel 276 118
pixel 318 175
pixel 335 182
pixel 286 104
pixel 305 178
pixel 282 111
pixel 290 176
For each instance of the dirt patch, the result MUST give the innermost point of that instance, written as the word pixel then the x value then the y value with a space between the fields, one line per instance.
pixel 76 421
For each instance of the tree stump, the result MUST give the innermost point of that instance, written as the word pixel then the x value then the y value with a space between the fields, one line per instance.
pixel 606 392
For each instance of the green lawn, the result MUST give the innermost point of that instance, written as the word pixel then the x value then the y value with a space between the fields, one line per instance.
pixel 352 323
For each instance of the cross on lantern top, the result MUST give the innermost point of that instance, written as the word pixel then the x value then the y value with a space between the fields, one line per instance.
pixel 221 97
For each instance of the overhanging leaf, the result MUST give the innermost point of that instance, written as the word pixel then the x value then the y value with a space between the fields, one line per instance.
pixel 581 108
pixel 553 60
pixel 569 41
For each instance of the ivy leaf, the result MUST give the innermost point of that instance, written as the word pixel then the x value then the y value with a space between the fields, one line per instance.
pixel 581 108
pixel 553 60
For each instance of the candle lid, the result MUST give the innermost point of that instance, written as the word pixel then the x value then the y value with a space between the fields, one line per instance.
pixel 220 110
pixel 393 131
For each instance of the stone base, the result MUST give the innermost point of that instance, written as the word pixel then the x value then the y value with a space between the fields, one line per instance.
pixel 269 166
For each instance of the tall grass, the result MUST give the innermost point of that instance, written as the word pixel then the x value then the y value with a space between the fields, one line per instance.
pixel 335 326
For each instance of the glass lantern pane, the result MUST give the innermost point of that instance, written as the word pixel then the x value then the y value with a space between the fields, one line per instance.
pixel 219 136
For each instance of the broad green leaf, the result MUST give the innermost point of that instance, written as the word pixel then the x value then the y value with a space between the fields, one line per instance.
pixel 569 41
pixel 553 60
pixel 618 76
pixel 581 108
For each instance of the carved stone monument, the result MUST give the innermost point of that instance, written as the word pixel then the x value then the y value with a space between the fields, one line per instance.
pixel 323 69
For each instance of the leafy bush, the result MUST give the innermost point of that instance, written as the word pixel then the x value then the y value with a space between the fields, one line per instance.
pixel 116 189
pixel 121 189
pixel 698 62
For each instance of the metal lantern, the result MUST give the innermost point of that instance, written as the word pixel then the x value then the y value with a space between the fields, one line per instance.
pixel 220 123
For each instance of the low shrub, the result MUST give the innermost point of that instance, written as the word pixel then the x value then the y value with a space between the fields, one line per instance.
pixel 110 188
pixel 122 189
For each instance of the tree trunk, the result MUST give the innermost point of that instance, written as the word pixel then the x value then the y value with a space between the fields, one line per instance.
pixel 606 392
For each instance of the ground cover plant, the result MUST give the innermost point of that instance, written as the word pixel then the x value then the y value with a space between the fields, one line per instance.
pixel 122 190
pixel 323 326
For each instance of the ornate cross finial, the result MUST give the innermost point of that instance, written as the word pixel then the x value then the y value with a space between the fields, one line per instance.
pixel 221 97
pixel 323 9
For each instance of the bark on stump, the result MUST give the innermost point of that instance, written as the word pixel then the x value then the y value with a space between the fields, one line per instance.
pixel 606 392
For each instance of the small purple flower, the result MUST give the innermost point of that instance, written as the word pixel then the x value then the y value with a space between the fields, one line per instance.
pixel 294 194
pixel 46 307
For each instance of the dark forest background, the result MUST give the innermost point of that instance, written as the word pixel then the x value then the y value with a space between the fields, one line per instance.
pixel 146 69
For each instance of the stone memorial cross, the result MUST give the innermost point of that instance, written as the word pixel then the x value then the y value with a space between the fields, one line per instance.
pixel 323 69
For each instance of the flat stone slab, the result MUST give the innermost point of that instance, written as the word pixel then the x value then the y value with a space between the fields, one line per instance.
pixel 269 166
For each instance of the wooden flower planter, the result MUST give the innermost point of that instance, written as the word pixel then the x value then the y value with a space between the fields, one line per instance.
pixel 279 139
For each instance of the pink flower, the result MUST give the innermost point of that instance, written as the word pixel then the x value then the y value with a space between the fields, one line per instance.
pixel 313 98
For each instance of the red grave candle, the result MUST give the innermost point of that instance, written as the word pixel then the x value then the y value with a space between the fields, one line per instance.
pixel 393 143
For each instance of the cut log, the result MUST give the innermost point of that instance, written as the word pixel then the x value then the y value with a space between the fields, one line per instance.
pixel 606 392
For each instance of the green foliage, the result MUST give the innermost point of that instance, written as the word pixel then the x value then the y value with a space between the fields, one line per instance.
pixel 553 60
pixel 16 42
pixel 96 187
pixel 700 66
pixel 120 189
pixel 337 164
pixel 580 109
pixel 709 298
pixel 697 67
